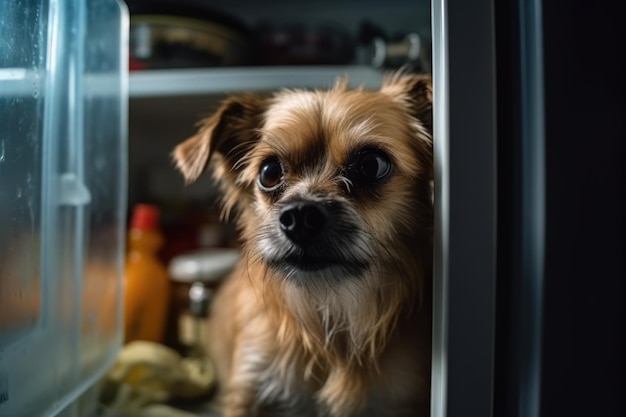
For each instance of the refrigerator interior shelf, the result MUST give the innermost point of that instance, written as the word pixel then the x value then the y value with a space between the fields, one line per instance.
pixel 184 82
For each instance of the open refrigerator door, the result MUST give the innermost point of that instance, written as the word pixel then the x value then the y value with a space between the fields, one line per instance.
pixel 63 176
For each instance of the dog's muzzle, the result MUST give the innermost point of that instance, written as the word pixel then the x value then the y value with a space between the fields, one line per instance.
pixel 313 237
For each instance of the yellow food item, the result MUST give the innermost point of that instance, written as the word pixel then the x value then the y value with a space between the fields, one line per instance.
pixel 148 373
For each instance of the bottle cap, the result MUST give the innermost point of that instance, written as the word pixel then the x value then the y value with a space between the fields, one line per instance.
pixel 145 217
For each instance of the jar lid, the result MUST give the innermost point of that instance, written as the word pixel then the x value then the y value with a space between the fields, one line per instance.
pixel 208 265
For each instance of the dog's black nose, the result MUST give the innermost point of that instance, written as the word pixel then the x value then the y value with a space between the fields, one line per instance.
pixel 303 221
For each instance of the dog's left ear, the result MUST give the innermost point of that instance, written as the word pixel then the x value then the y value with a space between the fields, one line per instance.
pixel 416 91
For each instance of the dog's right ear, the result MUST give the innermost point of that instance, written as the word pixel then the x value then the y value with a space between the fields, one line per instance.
pixel 226 136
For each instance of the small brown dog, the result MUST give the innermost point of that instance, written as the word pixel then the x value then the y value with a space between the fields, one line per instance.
pixel 328 312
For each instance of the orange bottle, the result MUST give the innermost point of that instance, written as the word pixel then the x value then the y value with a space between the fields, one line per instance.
pixel 147 291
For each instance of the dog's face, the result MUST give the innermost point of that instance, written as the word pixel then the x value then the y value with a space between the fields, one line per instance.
pixel 329 186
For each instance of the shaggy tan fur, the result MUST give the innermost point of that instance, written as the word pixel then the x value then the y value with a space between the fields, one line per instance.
pixel 325 345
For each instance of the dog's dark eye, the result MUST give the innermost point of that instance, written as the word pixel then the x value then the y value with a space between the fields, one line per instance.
pixel 270 175
pixel 371 166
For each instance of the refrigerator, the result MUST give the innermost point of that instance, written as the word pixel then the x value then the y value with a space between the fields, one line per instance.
pixel 529 318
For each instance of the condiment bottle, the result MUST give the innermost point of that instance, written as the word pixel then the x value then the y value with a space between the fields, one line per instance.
pixel 147 285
